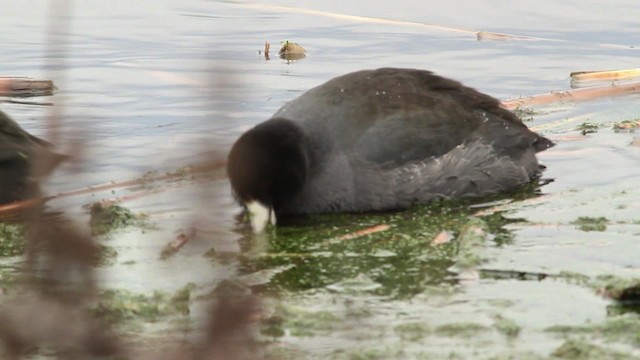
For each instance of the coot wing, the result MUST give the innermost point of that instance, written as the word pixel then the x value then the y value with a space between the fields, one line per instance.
pixel 395 116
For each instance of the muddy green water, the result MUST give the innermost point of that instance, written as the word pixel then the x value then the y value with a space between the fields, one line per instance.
pixel 148 85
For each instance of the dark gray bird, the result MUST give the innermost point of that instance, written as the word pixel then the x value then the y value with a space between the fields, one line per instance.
pixel 380 140
pixel 19 151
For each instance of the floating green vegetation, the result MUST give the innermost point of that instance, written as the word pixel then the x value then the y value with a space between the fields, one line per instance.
pixel 11 239
pixel 8 277
pixel 358 311
pixel 524 114
pixel 574 278
pixel 386 353
pixel 588 128
pixel 622 290
pixel 400 253
pixel 116 306
pixel 299 322
pixel 107 219
pixel 622 328
pixel 309 323
pixel 282 353
pixel 626 125
pixel 106 256
pixel 272 326
pixel 463 329
pixel 578 349
pixel 512 274
pixel 617 288
pixel 471 241
pixel 588 223
pixel 496 223
pixel 148 179
pixel 516 355
pixel 413 331
pixel 183 173
pixel 508 327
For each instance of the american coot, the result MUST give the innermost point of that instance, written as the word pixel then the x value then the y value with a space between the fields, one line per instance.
pixel 18 151
pixel 379 140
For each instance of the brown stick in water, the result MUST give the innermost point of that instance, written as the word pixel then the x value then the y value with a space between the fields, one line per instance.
pixel 573 95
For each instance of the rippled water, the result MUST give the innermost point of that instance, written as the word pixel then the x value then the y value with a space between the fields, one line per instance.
pixel 147 84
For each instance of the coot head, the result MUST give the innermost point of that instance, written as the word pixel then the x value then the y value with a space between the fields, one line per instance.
pixel 268 167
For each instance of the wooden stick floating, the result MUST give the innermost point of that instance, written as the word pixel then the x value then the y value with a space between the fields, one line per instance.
pixel 488 35
pixel 176 244
pixel 25 87
pixel 480 35
pixel 355 18
pixel 605 75
pixel 365 232
pixel 10 210
pixel 574 95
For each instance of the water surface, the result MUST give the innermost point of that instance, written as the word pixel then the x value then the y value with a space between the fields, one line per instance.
pixel 149 85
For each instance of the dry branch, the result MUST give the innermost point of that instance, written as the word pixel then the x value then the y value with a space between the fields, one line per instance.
pixel 573 95
pixel 364 232
pixel 25 87
pixel 354 18
pixel 488 35
pixel 605 74
pixel 11 210
pixel 480 35
pixel 176 244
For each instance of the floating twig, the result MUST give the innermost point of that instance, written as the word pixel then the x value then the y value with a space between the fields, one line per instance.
pixel 142 193
pixel 384 21
pixel 146 179
pixel 176 244
pixel 25 87
pixel 364 232
pixel 442 238
pixel 24 102
pixel 607 75
pixel 573 95
pixel 365 19
pixel 11 209
pixel 266 50
pixel 488 35
pixel 591 78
